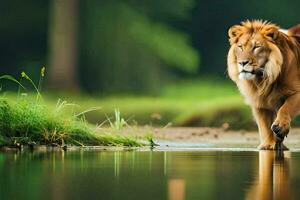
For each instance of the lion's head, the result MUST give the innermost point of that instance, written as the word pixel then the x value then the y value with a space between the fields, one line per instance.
pixel 254 54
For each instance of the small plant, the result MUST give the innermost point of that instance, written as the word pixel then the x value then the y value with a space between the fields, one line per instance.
pixel 149 138
pixel 24 75
pixel 119 122
pixel 10 78
pixel 42 75
pixel 39 96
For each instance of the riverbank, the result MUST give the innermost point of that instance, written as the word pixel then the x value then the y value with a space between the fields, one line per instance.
pixel 176 138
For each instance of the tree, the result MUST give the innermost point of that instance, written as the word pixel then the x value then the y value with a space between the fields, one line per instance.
pixel 63 50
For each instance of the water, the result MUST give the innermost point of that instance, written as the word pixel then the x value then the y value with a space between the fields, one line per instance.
pixel 130 175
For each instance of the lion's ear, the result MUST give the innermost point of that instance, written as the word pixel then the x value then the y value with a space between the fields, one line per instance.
pixel 271 33
pixel 234 33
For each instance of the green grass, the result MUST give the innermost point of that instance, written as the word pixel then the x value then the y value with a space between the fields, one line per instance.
pixel 202 102
pixel 187 103
pixel 24 122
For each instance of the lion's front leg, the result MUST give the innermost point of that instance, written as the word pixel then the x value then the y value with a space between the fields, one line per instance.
pixel 268 140
pixel 286 112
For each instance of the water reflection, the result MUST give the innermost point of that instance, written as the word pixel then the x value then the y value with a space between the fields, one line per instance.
pixel 176 189
pixel 134 175
pixel 273 180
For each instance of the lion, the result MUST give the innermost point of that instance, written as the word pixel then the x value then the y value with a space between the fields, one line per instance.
pixel 264 61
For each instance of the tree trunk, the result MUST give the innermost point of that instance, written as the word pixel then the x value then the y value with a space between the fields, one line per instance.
pixel 63 50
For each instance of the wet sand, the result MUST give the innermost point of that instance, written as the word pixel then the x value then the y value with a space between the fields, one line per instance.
pixel 210 137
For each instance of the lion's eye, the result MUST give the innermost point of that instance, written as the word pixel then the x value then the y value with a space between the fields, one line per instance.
pixel 256 47
pixel 240 47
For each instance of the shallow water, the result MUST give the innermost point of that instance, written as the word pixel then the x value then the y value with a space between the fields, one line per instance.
pixel 172 175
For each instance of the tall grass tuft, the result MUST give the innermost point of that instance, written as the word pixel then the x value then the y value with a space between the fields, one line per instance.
pixel 119 122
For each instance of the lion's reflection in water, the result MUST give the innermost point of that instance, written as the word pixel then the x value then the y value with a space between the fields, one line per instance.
pixel 273 181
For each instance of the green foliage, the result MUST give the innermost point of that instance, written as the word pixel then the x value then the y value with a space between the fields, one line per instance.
pixel 175 9
pixel 137 52
pixel 171 46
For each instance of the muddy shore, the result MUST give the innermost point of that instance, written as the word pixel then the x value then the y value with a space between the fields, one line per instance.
pixel 210 137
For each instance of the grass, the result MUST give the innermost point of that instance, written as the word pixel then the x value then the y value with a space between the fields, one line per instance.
pixel 27 120
pixel 203 102
pixel 23 122
pixel 119 122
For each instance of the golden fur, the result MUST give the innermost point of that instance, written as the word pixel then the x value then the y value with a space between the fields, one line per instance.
pixel 264 63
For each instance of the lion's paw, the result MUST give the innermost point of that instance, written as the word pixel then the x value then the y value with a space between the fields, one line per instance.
pixel 272 146
pixel 281 129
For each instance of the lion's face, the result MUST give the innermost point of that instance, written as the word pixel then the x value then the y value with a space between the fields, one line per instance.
pixel 253 53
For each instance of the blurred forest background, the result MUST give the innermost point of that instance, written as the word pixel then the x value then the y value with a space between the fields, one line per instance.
pixel 167 49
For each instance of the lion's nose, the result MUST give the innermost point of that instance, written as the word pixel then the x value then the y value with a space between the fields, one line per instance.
pixel 243 63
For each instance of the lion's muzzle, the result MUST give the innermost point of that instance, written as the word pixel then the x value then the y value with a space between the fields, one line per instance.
pixel 251 74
